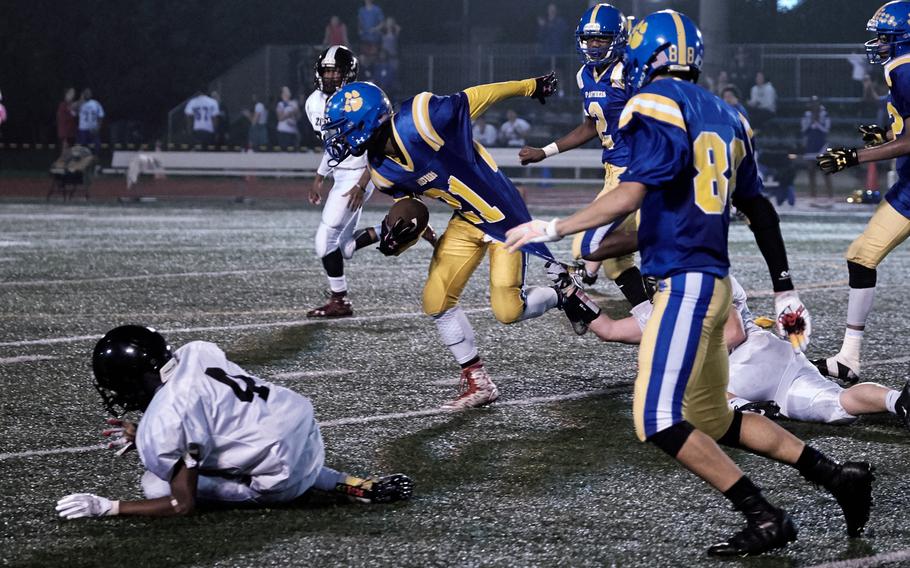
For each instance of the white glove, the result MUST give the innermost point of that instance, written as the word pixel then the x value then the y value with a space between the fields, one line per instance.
pixel 534 231
pixel 793 320
pixel 80 505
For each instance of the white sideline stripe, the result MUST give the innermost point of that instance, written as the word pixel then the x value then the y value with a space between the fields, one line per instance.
pixel 292 323
pixel 308 374
pixel 25 359
pixel 888 361
pixel 868 561
pixel 362 419
pixel 147 277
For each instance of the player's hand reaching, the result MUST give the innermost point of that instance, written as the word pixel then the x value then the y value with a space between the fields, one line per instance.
pixel 355 197
pixel 315 196
pixel 121 436
pixel 873 135
pixel 534 231
pixel 546 87
pixel 834 160
pixel 793 319
pixel 393 238
pixel 80 505
pixel 530 155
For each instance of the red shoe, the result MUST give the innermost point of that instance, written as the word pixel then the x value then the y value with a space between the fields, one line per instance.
pixel 477 389
pixel 338 307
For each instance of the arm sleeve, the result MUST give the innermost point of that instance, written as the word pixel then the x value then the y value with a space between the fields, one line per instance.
pixel 765 226
pixel 659 151
pixel 482 97
pixel 324 168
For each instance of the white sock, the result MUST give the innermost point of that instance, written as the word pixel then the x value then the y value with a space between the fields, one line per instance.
pixel 849 351
pixel 457 334
pixel 339 284
pixel 891 401
pixel 859 306
pixel 538 301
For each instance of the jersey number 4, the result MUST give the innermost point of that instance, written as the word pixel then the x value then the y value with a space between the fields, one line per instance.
pixel 716 163
pixel 233 381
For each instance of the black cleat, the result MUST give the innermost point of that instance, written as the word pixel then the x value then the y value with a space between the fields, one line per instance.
pixel 833 368
pixel 765 531
pixel 852 487
pixel 902 406
pixel 388 489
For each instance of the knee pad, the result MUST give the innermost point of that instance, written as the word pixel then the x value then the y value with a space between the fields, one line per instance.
pixel 154 487
pixel 672 439
pixel 326 239
pixel 861 276
pixel 731 436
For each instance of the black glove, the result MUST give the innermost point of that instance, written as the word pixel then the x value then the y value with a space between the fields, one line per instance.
pixel 395 239
pixel 546 87
pixel 767 408
pixel 873 135
pixel 834 160
pixel 580 309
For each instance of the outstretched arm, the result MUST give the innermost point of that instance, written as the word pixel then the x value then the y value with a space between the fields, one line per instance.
pixel 482 97
pixel 625 330
pixel 578 136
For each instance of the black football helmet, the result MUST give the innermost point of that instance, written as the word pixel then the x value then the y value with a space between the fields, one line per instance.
pixel 335 57
pixel 125 363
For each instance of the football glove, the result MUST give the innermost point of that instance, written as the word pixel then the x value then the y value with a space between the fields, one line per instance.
pixel 834 160
pixel 396 239
pixel 767 408
pixel 80 505
pixel 580 309
pixel 873 135
pixel 534 231
pixel 559 275
pixel 546 86
pixel 121 437
pixel 793 319
pixel 388 489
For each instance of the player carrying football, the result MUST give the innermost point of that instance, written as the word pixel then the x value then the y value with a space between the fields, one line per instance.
pixel 600 38
pixel 426 149
pixel 211 433
pixel 890 225
pixel 335 67
pixel 688 152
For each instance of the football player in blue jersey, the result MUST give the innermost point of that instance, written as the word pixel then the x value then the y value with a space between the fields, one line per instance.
pixel 688 152
pixel 600 38
pixel 890 225
pixel 426 149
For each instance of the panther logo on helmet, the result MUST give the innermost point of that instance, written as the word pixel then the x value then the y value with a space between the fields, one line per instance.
pixel 352 101
pixel 638 35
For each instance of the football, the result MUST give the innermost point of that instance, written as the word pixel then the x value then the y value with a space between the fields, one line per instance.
pixel 410 210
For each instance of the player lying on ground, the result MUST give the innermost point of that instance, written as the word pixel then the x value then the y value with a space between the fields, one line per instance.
pixel 766 376
pixel 600 39
pixel 890 225
pixel 688 151
pixel 427 149
pixel 211 433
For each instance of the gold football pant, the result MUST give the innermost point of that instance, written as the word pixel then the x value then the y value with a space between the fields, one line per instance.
pixel 458 253
pixel 886 229
pixel 683 366
pixel 587 242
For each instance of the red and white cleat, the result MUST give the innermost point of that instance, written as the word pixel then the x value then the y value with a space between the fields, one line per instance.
pixel 338 307
pixel 477 389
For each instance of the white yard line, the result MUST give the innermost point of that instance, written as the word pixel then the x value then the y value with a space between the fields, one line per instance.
pixel 311 374
pixel 25 359
pixel 361 419
pixel 868 561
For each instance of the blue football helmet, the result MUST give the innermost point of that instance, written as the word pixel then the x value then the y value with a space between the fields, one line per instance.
pixel 352 116
pixel 664 41
pixel 891 26
pixel 601 21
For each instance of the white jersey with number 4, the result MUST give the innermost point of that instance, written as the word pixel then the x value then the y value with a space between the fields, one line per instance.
pixel 315 112
pixel 245 428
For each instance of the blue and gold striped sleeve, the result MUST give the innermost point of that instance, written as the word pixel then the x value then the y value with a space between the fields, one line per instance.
pixel 655 130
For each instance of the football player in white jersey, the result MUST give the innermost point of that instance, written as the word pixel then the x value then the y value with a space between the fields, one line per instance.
pixel 202 114
pixel 211 433
pixel 766 375
pixel 335 238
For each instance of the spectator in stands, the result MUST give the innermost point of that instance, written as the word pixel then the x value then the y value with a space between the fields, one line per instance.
pixel 66 119
pixel 336 32
pixel 223 125
pixel 384 73
pixel 202 118
pixel 552 31
pixel 859 64
pixel 91 114
pixel 730 95
pixel 390 32
pixel 875 100
pixel 258 117
pixel 762 101
pixel 742 72
pixel 369 25
pixel 287 111
pixel 484 132
pixel 815 125
pixel 722 83
pixel 513 130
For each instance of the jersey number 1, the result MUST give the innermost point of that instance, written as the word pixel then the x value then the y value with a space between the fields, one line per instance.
pixel 245 395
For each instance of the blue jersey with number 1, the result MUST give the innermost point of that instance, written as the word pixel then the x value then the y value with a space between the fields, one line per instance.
pixel 605 96
pixel 691 151
pixel 441 160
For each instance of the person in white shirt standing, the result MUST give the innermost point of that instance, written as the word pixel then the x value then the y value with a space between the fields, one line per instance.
pixel 202 118
pixel 287 112
pixel 513 130
pixel 484 132
pixel 91 113
pixel 335 239
pixel 210 433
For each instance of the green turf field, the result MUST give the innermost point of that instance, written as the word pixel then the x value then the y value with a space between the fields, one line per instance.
pixel 550 475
